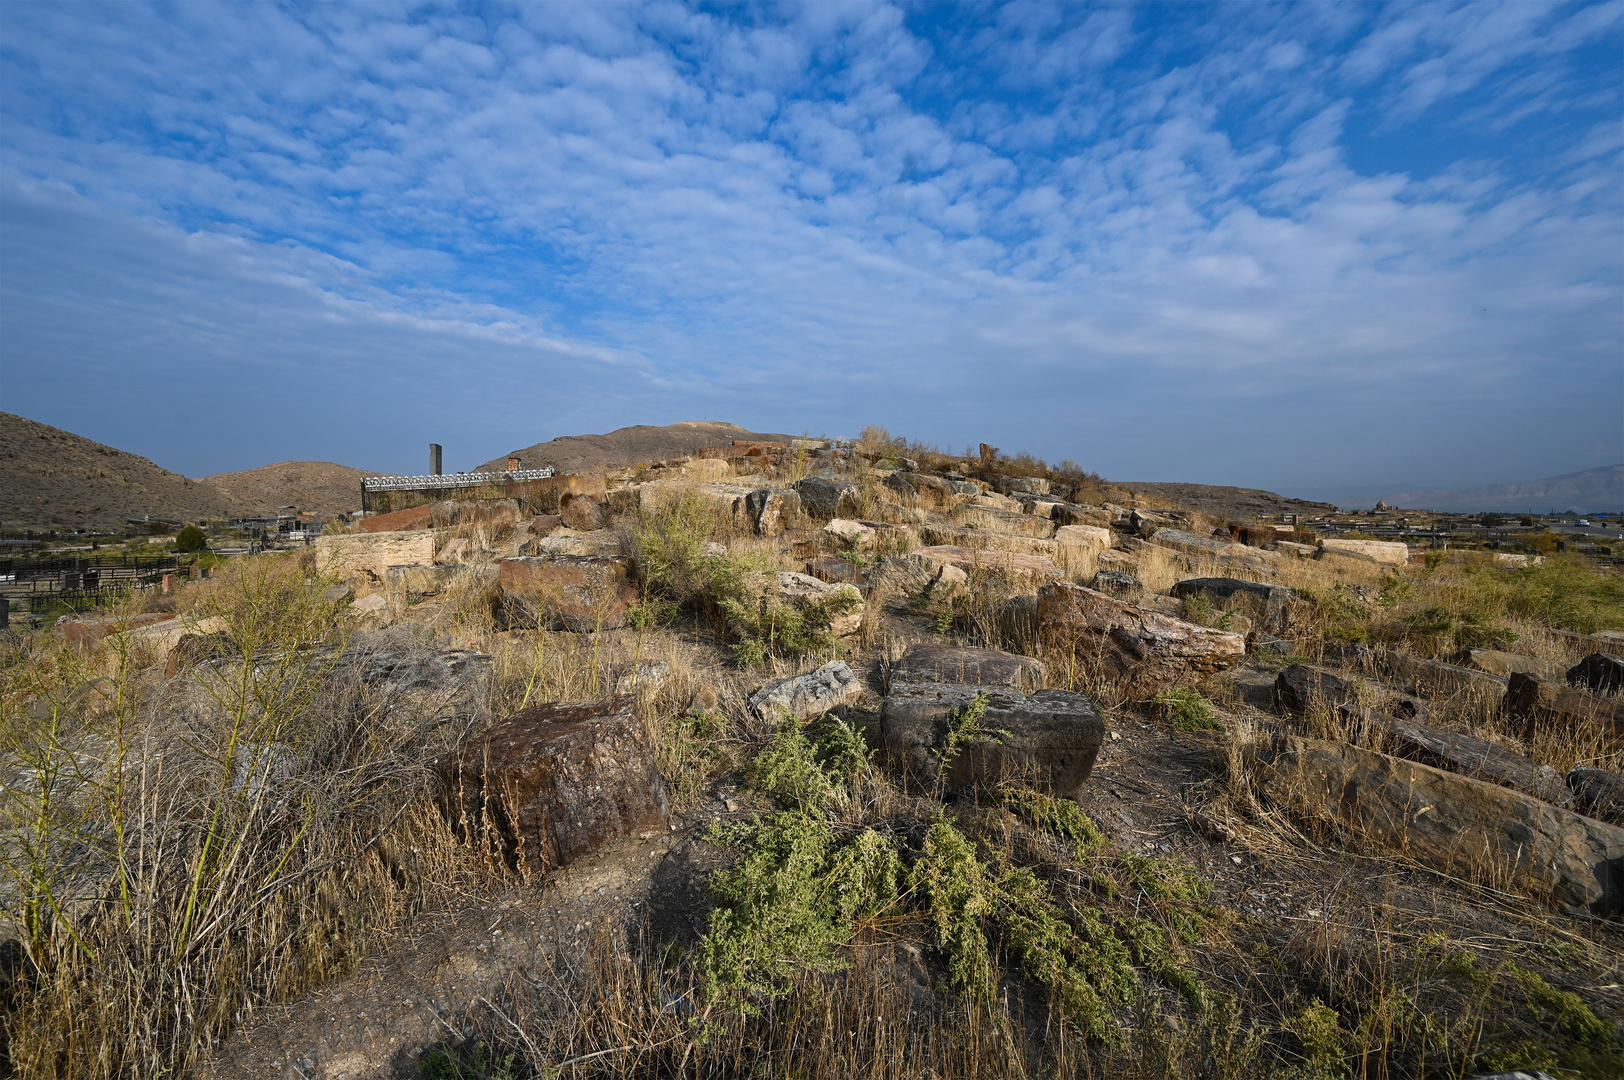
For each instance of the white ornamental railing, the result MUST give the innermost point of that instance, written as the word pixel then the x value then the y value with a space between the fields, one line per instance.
pixel 452 480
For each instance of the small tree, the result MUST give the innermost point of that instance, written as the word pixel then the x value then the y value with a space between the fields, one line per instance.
pixel 191 538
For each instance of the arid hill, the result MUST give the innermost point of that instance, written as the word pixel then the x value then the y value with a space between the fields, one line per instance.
pixel 54 479
pixel 313 486
pixel 1236 502
pixel 627 446
pixel 1581 492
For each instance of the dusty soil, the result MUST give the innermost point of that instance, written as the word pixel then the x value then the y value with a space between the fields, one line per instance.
pixel 320 487
pixel 625 446
pixel 1240 503
pixel 54 479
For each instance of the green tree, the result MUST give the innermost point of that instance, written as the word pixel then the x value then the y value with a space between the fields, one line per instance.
pixel 191 538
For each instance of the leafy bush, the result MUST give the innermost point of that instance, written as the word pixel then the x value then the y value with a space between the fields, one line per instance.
pixel 1188 710
pixel 191 539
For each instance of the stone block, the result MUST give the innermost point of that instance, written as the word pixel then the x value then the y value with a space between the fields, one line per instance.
pixel 1601 672
pixel 1048 739
pixel 1455 824
pixel 1032 485
pixel 415 517
pixel 1088 538
pixel 812 694
pixel 930 662
pixel 86 633
pixel 1496 662
pixel 838 571
pixel 1468 756
pixel 1302 686
pixel 569 542
pixel 1148 651
pixel 1538 702
pixel 370 555
pixel 572 592
pixel 557 781
pixel 1273 600
pixel 848 532
pixel 1012 522
pixel 1119 584
pixel 1597 793
pixel 825 498
pixel 808 589
pixel 1386 552
pixel 1011 565
pixel 932 492
pixel 584 515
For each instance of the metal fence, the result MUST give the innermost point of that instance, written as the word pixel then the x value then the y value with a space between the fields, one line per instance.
pixel 452 481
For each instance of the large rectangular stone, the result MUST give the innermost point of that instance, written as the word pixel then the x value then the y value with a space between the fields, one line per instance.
pixel 574 592
pixel 1147 651
pixel 1386 552
pixel 1537 701
pixel 1455 824
pixel 1005 521
pixel 933 662
pixel 372 554
pixel 1049 739
pixel 557 781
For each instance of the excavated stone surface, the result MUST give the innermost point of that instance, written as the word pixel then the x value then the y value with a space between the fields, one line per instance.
pixel 929 662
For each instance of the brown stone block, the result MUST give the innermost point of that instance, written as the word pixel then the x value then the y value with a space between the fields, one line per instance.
pixel 575 592
pixel 1145 650
pixel 557 781
pixel 1538 701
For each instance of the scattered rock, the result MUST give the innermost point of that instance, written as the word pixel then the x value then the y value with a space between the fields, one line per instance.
pixel 584 515
pixel 1473 757
pixel 928 662
pixel 812 694
pixel 370 555
pixel 1601 672
pixel 832 569
pixel 1229 552
pixel 644 675
pixel 1500 663
pixel 572 592
pixel 849 532
pixel 375 604
pixel 1386 552
pixel 806 588
pixel 1452 823
pixel 1011 565
pixel 1505 560
pixel 564 541
pixel 1299 687
pixel 825 498
pixel 1012 522
pixel 1035 485
pixel 1538 701
pixel 1088 538
pixel 1050 738
pixel 772 511
pixel 1597 793
pixel 194 649
pixel 1118 584
pixel 1274 599
pixel 337 593
pixel 420 580
pixel 1150 652
pixel 557 781
pixel 932 492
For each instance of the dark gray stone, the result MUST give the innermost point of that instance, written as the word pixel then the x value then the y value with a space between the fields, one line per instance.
pixel 1474 757
pixel 928 662
pixel 1298 687
pixel 824 498
pixel 1600 671
pixel 1118 583
pixel 1050 738
pixel 1274 598
pixel 1598 793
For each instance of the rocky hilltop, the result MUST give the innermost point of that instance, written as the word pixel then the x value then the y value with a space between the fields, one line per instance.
pixel 54 479
pixel 320 487
pixel 628 446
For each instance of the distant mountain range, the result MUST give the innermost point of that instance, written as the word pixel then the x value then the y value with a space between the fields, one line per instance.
pixel 1594 490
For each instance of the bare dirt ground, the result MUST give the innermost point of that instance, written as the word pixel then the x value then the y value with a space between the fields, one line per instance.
pixel 1242 504
pixel 625 446
pixel 320 487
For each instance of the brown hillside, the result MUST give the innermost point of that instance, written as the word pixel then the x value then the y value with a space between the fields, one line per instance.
pixel 321 487
pixel 54 479
pixel 627 446
pixel 1236 502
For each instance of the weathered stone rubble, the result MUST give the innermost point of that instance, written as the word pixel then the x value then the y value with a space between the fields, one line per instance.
pixel 1274 600
pixel 556 781
pixel 1149 652
pixel 1538 702
pixel 1048 739
pixel 812 694
pixel 569 592
pixel 1456 824
pixel 930 662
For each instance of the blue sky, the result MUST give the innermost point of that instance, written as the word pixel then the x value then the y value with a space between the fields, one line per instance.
pixel 1333 250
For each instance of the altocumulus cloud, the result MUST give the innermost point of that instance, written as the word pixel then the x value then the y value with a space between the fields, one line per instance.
pixel 1327 249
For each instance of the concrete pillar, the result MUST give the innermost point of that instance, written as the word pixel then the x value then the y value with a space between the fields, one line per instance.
pixel 169 583
pixel 434 459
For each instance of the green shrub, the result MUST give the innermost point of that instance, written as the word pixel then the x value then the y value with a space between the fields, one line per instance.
pixel 191 539
pixel 1188 710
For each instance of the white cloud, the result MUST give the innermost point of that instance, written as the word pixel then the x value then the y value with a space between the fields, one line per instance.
pixel 807 221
